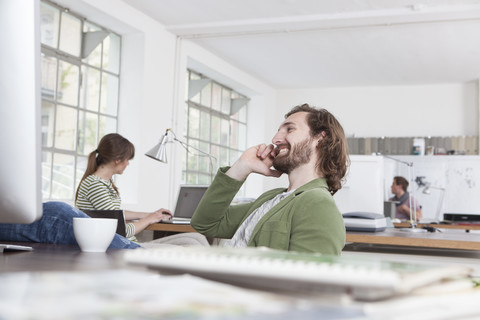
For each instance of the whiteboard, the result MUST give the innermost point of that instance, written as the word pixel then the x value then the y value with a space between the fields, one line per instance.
pixel 454 183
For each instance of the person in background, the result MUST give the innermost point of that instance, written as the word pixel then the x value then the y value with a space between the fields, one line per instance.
pixel 310 147
pixel 97 191
pixel 403 199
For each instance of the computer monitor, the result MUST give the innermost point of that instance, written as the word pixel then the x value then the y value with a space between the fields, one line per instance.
pixel 20 112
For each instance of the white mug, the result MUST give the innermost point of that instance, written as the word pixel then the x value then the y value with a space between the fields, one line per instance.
pixel 94 234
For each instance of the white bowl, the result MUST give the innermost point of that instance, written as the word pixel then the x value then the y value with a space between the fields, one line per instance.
pixel 94 234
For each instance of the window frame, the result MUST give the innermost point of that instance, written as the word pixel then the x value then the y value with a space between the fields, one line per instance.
pixel 198 174
pixel 110 121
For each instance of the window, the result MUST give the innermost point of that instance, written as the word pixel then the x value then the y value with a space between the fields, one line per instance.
pixel 216 123
pixel 80 72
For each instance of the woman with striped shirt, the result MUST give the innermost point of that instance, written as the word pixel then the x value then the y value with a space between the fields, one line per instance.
pixel 97 190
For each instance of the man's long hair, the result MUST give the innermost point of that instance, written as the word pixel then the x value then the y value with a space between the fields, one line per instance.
pixel 333 160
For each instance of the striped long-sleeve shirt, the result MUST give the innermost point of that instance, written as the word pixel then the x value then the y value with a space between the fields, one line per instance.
pixel 96 193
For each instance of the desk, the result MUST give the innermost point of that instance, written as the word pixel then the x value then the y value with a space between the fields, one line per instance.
pixel 61 282
pixel 453 239
pixel 440 226
pixel 58 281
pixel 56 257
pixel 168 227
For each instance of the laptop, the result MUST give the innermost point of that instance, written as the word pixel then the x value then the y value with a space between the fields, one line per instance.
pixel 189 197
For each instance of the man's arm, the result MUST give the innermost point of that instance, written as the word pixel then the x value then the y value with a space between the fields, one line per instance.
pixel 214 216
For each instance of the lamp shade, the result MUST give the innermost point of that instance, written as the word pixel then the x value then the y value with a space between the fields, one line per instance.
pixel 159 152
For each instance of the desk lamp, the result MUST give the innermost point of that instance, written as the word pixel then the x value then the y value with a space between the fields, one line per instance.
pixel 413 207
pixel 159 151
pixel 427 190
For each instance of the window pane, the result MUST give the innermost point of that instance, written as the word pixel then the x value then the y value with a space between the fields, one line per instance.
pixel 193 123
pixel 191 178
pixel 106 125
pixel 81 168
pixel 109 95
pixel 94 58
pixel 62 177
pixel 224 132
pixel 46 174
pixel 204 161
pixel 226 101
pixel 204 126
pixel 206 95
pixel 215 129
pixel 90 89
pixel 216 96
pixel 242 114
pixel 223 161
pixel 192 156
pixel 87 132
pixel 70 34
pixel 234 155
pixel 215 152
pixel 242 136
pixel 234 134
pixel 48 117
pixel 196 98
pixel 204 179
pixel 68 83
pixel 49 20
pixel 49 76
pixel 111 53
pixel 66 122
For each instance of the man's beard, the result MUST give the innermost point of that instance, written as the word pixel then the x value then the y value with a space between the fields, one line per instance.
pixel 300 154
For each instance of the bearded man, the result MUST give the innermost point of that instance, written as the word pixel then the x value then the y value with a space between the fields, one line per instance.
pixel 310 147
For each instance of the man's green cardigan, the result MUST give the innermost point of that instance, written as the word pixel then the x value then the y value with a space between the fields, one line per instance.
pixel 306 221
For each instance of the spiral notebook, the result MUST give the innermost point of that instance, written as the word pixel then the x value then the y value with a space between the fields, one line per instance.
pixel 259 268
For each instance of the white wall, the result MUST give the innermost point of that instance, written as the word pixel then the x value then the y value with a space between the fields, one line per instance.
pixel 395 111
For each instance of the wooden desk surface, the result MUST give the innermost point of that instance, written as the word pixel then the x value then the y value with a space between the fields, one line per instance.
pixel 453 239
pixel 442 226
pixel 171 227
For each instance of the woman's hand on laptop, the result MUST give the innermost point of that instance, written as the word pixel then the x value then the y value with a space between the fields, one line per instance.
pixel 164 213
pixel 159 215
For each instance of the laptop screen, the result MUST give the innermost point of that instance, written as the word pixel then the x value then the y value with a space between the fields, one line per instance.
pixel 189 197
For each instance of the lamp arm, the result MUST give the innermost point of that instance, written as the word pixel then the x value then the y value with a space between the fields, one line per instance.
pixel 186 146
pixel 410 164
